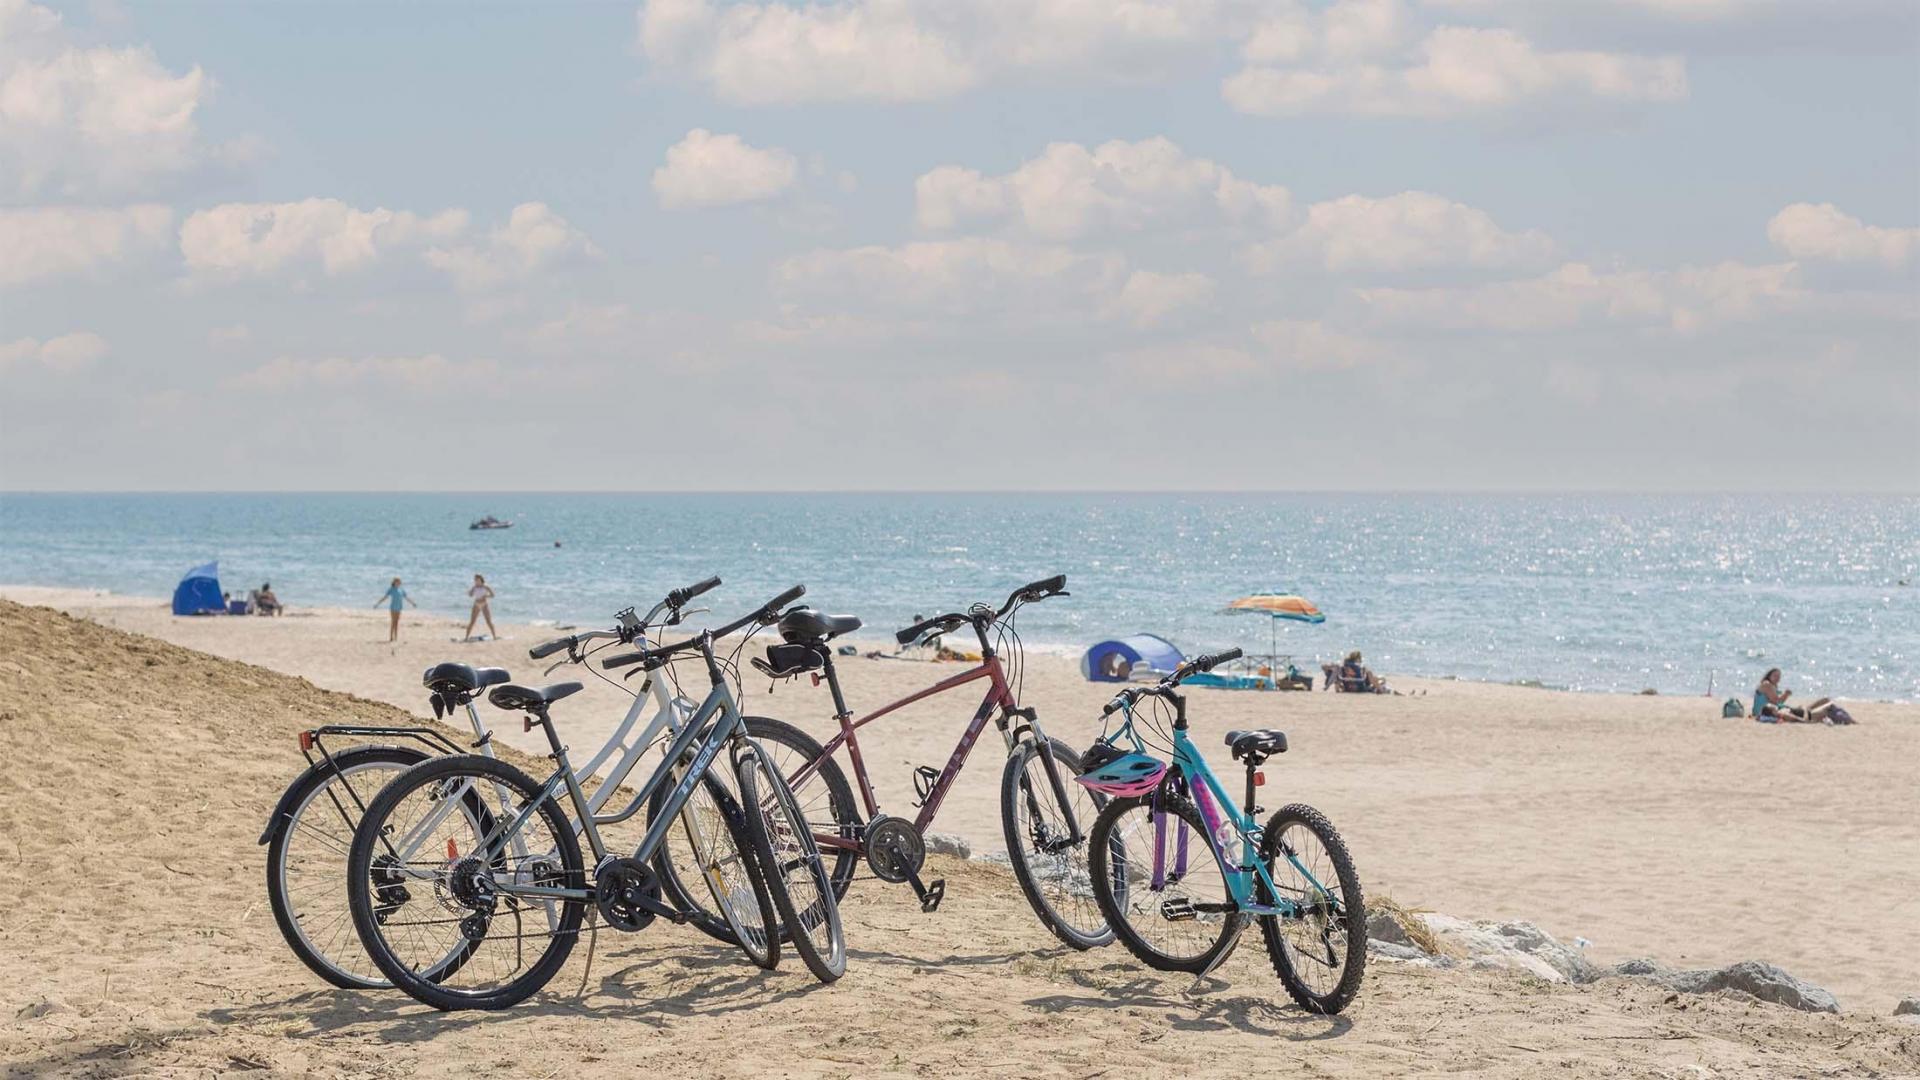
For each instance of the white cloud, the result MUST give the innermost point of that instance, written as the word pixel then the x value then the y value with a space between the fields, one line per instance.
pixel 1072 191
pixel 1352 58
pixel 58 241
pixel 533 238
pixel 64 354
pixel 1823 232
pixel 260 238
pixel 76 119
pixel 1309 344
pixel 955 277
pixel 705 169
pixel 1189 362
pixel 234 334
pixel 1684 300
pixel 1410 231
pixel 406 372
pixel 758 53
pixel 1150 299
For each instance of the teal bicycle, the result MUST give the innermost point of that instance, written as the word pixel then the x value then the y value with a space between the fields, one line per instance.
pixel 1179 870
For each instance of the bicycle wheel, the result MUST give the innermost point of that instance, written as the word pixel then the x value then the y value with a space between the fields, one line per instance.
pixel 1322 953
pixel 719 851
pixel 796 873
pixel 824 798
pixel 423 889
pixel 307 860
pixel 1049 862
pixel 1190 921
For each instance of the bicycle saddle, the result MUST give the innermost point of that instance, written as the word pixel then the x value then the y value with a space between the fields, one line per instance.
pixel 452 678
pixel 803 624
pixel 532 699
pixel 1263 743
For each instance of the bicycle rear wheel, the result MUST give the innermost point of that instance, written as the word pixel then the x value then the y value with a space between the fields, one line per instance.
pixel 796 874
pixel 1321 953
pixel 1189 921
pixel 307 860
pixel 439 892
pixel 1048 860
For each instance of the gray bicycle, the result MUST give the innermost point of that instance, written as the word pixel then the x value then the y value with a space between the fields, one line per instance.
pixel 469 855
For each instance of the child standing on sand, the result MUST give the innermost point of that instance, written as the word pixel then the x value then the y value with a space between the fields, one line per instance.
pixel 394 597
pixel 481 593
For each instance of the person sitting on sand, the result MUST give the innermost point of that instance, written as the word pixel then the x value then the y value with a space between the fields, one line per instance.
pixel 264 602
pixel 1357 678
pixel 1770 703
pixel 394 596
pixel 481 592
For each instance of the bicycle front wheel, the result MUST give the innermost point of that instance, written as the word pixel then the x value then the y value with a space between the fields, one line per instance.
pixel 1320 951
pixel 1161 886
pixel 1047 840
pixel 428 880
pixel 719 851
pixel 796 874
pixel 307 860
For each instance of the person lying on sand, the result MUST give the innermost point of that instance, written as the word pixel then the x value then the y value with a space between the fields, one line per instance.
pixel 1770 703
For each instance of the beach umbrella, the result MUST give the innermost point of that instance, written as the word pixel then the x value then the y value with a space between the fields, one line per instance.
pixel 1277 606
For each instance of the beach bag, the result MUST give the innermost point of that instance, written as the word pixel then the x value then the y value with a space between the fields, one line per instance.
pixel 1733 709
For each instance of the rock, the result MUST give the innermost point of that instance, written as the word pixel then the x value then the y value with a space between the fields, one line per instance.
pixel 1393 950
pixel 1384 928
pixel 1641 967
pixel 1519 946
pixel 939 843
pixel 1762 980
pixel 1907 1007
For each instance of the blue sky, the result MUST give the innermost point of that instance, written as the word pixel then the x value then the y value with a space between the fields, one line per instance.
pixel 1376 244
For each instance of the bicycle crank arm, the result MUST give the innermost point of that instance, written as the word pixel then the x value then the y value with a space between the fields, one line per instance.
pixel 930 895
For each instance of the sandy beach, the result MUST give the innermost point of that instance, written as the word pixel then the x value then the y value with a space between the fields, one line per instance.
pixel 1648 826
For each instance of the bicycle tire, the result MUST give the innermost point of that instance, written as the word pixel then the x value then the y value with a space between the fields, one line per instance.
pixel 368 840
pixel 1350 921
pixel 755 931
pixel 327 958
pixel 1121 912
pixel 790 857
pixel 1047 888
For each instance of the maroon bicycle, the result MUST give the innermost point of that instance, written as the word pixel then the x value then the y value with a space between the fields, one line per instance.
pixel 1046 817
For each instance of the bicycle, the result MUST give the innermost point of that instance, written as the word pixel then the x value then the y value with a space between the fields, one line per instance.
pixel 1180 912
pixel 1044 817
pixel 425 831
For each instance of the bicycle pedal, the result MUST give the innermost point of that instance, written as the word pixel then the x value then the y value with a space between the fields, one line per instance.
pixel 930 895
pixel 1178 909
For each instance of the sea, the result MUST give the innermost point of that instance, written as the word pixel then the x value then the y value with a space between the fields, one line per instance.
pixel 1621 593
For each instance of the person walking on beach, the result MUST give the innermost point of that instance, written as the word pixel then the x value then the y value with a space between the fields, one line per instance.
pixel 394 597
pixel 481 592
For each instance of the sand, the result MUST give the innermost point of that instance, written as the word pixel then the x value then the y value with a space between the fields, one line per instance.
pixel 137 940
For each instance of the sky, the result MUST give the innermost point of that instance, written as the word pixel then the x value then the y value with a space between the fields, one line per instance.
pixel 1463 245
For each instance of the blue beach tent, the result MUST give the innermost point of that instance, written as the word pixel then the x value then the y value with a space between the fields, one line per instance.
pixel 1110 661
pixel 199 591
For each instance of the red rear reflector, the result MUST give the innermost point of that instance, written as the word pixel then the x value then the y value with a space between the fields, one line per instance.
pixel 1259 779
pixel 453 851
pixel 306 740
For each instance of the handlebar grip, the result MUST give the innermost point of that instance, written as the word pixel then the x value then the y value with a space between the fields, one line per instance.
pixel 1112 707
pixel 679 597
pixel 1208 663
pixel 1051 585
pixel 546 649
pixel 626 659
pixel 785 598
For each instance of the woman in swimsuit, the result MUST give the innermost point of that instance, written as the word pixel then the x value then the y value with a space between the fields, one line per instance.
pixel 394 597
pixel 481 593
pixel 1770 703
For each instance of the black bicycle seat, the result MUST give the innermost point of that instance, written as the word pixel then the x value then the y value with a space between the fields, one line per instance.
pixel 532 699
pixel 803 624
pixel 454 678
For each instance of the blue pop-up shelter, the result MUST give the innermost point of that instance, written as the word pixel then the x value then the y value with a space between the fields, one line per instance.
pixel 1114 659
pixel 199 592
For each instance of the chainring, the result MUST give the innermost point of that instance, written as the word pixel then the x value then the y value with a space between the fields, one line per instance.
pixel 619 886
pixel 895 851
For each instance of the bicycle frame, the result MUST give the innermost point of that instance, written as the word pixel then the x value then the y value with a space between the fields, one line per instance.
pixel 999 696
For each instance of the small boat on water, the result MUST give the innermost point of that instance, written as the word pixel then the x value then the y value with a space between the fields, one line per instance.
pixel 491 522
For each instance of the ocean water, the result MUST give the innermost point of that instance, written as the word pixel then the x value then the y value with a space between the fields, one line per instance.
pixel 1614 593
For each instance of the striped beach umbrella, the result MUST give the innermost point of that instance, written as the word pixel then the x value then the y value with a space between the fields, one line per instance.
pixel 1277 606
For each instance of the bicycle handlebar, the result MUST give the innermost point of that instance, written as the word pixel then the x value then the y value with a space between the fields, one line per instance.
pixel 765 613
pixel 675 600
pixel 1197 665
pixel 953 620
